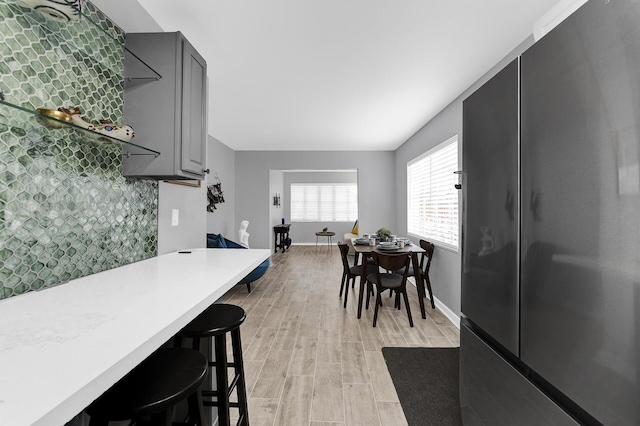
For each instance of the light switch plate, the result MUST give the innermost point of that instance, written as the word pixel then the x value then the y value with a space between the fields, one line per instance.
pixel 175 217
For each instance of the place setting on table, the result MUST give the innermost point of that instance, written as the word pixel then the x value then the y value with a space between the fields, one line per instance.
pixel 394 244
pixel 383 240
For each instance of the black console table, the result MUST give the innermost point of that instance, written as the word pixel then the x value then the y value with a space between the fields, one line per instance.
pixel 281 235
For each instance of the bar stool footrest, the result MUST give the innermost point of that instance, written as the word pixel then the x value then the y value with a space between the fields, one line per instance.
pixel 229 392
pixel 229 364
pixel 215 404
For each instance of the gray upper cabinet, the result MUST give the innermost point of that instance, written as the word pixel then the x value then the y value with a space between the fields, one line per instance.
pixel 168 114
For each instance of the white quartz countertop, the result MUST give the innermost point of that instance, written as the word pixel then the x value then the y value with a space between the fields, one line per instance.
pixel 63 347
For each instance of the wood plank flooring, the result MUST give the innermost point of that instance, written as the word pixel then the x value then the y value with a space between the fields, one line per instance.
pixel 308 360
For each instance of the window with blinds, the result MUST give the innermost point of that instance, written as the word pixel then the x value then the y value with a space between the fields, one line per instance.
pixel 432 211
pixel 324 202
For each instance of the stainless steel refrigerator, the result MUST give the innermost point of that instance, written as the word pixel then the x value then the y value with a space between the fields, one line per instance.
pixel 551 229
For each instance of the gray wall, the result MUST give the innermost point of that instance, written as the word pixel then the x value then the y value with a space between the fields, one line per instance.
pixel 129 15
pixel 305 231
pixel 221 162
pixel 192 205
pixel 376 186
pixel 276 186
pixel 446 266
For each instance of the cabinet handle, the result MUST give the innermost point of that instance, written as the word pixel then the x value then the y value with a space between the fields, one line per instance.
pixel 207 171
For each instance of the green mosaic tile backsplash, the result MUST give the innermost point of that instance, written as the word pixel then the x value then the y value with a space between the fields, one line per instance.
pixel 65 209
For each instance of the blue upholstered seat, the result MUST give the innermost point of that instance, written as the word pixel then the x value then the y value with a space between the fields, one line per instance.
pixel 218 241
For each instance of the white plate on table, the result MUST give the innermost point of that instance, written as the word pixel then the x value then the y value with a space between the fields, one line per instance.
pixel 387 246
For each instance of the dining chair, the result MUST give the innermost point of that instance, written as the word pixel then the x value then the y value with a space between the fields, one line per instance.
pixel 425 265
pixel 392 281
pixel 349 273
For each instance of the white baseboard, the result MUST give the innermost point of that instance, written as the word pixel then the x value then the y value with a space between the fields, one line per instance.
pixel 455 319
pixel 451 316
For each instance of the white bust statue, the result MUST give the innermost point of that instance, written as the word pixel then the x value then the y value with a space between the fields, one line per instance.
pixel 243 234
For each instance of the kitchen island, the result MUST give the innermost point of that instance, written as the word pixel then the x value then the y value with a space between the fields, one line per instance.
pixel 63 347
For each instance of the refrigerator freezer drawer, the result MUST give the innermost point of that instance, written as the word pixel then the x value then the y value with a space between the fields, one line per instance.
pixel 493 393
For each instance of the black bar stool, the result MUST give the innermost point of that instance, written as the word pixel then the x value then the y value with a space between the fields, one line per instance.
pixel 215 322
pixel 152 389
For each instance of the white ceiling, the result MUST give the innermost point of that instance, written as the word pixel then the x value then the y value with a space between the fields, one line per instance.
pixel 338 74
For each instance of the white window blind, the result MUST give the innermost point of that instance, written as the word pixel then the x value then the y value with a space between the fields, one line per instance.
pixel 324 202
pixel 432 211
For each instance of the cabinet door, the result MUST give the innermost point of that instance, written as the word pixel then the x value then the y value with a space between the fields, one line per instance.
pixel 194 111
pixel 170 114
pixel 490 208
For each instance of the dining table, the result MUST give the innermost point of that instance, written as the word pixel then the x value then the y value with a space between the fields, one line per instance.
pixel 366 250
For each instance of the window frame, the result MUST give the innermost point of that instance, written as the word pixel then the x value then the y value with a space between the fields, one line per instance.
pixel 322 184
pixel 431 238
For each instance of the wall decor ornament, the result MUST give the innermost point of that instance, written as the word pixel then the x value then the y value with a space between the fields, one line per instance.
pixel 106 127
pixel 59 10
pixel 276 200
pixel 214 195
pixel 53 113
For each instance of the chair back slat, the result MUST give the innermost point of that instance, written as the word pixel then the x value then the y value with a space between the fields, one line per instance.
pixel 344 251
pixel 392 261
pixel 425 261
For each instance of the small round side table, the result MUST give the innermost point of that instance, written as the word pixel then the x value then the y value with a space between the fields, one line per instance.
pixel 327 234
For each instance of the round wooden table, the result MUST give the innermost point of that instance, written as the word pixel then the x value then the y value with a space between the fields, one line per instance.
pixel 327 234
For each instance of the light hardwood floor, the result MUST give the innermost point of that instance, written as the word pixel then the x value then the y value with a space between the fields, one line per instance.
pixel 308 361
